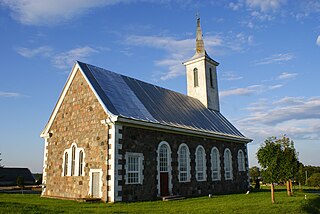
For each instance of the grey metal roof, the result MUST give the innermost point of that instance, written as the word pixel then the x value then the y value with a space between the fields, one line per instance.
pixel 131 98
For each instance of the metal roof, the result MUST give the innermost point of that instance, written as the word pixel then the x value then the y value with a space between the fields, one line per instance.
pixel 134 99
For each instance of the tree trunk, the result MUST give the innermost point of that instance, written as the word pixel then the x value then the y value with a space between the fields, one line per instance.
pixel 288 188
pixel 291 188
pixel 272 193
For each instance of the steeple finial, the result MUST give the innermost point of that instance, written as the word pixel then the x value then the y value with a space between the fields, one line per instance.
pixel 199 40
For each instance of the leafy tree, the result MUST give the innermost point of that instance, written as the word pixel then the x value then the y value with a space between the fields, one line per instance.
pixel 0 161
pixel 279 161
pixel 255 176
pixel 309 171
pixel 314 180
pixel 270 157
pixel 20 181
pixel 289 162
pixel 300 174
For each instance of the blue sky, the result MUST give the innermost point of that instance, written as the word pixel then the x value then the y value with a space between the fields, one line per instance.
pixel 268 52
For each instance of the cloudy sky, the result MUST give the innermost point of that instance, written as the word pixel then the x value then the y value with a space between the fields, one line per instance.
pixel 268 52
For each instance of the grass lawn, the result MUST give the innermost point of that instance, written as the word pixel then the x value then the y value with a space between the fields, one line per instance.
pixel 255 202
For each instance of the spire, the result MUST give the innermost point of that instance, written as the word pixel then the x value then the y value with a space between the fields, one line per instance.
pixel 199 40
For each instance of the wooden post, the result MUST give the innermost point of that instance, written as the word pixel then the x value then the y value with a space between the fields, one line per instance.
pixel 272 193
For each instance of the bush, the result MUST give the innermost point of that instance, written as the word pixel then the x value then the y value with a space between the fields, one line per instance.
pixel 314 180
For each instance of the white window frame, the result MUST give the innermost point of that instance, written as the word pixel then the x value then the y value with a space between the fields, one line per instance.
pixel 227 161
pixel 78 160
pixel 188 175
pixel 169 166
pixel 140 167
pixel 241 163
pixel 218 170
pixel 204 168
pixel 76 164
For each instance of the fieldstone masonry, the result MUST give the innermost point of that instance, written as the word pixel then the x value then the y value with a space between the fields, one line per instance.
pixel 78 121
pixel 146 141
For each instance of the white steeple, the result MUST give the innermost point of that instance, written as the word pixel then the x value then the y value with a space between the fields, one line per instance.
pixel 202 75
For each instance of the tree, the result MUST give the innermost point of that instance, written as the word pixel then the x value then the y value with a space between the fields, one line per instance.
pixel 300 175
pixel 20 182
pixel 255 176
pixel 270 157
pixel 289 162
pixel 314 180
pixel 279 161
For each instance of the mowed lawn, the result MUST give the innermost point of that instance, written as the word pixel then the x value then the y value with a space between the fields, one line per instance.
pixel 255 202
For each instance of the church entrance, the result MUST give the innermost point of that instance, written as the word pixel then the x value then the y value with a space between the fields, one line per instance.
pixel 164 184
pixel 164 167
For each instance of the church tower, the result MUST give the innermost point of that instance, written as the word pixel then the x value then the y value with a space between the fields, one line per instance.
pixel 202 75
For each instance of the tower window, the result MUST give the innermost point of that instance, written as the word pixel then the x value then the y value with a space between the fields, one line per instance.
pixel 195 77
pixel 211 80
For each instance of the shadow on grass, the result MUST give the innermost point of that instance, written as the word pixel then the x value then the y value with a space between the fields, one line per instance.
pixel 312 206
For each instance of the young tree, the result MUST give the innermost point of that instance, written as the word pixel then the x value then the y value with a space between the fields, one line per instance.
pixel 289 162
pixel 300 175
pixel 270 157
pixel 255 176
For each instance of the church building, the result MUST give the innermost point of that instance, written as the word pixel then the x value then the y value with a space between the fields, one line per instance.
pixel 116 138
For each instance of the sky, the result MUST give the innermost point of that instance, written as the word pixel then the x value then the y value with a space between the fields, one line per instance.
pixel 268 52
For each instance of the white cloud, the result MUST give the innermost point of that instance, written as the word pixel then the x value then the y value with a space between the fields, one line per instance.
pixel 63 60
pixel 297 117
pixel 9 94
pixel 66 59
pixel 230 76
pixel 179 50
pixel 45 51
pixel 318 40
pixel 265 5
pixel 286 75
pixel 241 91
pixel 235 5
pixel 253 89
pixel 276 58
pixel 42 12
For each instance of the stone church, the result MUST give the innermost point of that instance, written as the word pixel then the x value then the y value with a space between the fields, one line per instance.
pixel 117 138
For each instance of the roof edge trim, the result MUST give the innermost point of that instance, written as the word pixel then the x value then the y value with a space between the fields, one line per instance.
pixel 76 67
pixel 179 129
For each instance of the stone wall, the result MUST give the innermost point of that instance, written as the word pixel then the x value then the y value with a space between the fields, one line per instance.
pixel 77 121
pixel 147 141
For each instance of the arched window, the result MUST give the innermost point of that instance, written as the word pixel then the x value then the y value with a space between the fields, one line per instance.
pixel 80 171
pixel 163 154
pixel 65 172
pixel 184 163
pixel 195 77
pixel 215 164
pixel 164 175
pixel 73 159
pixel 227 164
pixel 241 164
pixel 211 78
pixel 73 164
pixel 200 164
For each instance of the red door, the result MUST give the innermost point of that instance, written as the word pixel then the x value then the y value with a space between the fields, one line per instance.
pixel 164 183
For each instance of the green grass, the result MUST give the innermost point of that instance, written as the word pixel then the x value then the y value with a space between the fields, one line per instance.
pixel 255 202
